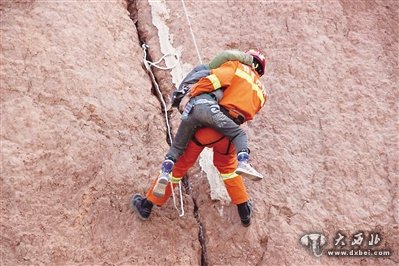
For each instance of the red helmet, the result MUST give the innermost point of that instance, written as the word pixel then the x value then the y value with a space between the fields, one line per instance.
pixel 259 62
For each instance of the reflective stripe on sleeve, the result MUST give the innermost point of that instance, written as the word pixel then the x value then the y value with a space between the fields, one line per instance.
pixel 215 81
pixel 174 180
pixel 244 75
pixel 228 176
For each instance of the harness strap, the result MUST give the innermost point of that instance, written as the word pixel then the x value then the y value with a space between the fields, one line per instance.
pixel 196 141
pixel 228 147
pixel 234 115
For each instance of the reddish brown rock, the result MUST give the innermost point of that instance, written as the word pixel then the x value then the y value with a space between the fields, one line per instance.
pixel 327 138
pixel 81 131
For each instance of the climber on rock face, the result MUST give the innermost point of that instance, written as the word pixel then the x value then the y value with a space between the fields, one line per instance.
pixel 228 94
pixel 220 96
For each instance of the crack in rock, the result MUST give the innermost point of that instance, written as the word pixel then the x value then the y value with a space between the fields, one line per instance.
pixel 197 215
pixel 133 10
pixel 155 80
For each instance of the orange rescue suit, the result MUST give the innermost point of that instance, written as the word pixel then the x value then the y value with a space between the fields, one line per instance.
pixel 224 159
pixel 243 91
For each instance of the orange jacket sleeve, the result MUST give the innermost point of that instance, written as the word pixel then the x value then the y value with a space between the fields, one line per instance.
pixel 220 77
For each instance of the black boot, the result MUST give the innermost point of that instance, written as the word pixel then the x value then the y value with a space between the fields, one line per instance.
pixel 245 212
pixel 142 206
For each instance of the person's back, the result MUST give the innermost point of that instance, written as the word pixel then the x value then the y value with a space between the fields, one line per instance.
pixel 243 91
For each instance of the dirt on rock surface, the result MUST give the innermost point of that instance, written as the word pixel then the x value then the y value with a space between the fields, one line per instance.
pixel 81 131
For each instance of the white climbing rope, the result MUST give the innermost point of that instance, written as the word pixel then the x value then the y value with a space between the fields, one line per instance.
pixel 191 31
pixel 200 60
pixel 148 65
pixel 181 214
pixel 156 64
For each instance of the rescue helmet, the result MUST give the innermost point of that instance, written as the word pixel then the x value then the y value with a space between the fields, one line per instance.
pixel 259 62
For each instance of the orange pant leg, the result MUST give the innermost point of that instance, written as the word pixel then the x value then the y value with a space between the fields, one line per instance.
pixel 226 165
pixel 236 188
pixel 155 200
pixel 187 160
pixel 180 168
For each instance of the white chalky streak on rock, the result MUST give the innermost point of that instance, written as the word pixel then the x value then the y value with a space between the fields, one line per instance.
pixel 218 190
pixel 159 13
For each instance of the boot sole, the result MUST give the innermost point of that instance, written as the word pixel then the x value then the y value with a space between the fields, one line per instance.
pixel 159 189
pixel 248 175
pixel 135 209
pixel 246 225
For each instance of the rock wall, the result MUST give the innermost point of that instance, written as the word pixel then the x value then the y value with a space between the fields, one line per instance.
pixel 81 131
